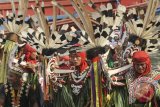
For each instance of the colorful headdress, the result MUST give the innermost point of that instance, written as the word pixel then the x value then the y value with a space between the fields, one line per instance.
pixel 103 33
pixel 45 38
pixel 15 22
pixel 143 27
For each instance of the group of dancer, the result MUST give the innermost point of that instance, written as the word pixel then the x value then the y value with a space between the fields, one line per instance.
pixel 103 60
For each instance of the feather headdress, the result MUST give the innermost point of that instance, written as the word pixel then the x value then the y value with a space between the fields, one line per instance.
pixel 108 23
pixel 143 27
pixel 15 21
pixel 45 38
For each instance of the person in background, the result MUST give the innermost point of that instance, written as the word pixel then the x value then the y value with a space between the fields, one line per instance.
pixel 31 62
pixel 32 67
pixel 11 40
pixel 16 93
pixel 117 96
pixel 30 54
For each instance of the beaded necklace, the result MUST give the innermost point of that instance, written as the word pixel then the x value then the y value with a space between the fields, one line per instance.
pixel 79 77
pixel 16 96
pixel 78 80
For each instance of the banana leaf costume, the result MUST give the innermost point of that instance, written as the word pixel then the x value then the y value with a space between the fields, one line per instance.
pixel 118 97
pixel 61 98
pixel 9 45
pixel 118 94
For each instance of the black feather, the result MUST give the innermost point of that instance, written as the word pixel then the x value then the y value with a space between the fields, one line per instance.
pixel 48 51
pixel 154 41
pixel 97 35
pixel 94 52
pixel 63 37
pixel 104 34
pixel 53 37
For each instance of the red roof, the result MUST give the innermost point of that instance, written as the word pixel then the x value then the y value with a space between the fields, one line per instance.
pixel 66 3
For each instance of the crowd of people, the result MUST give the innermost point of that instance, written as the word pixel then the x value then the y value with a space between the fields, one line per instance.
pixel 108 70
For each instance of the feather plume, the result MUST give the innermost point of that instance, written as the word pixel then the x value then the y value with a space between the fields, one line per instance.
pixel 42 39
pixel 54 18
pixel 102 32
pixel 66 12
pixel 13 6
pixel 15 22
pixel 144 25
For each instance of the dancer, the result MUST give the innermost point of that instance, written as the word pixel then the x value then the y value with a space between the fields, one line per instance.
pixel 143 82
